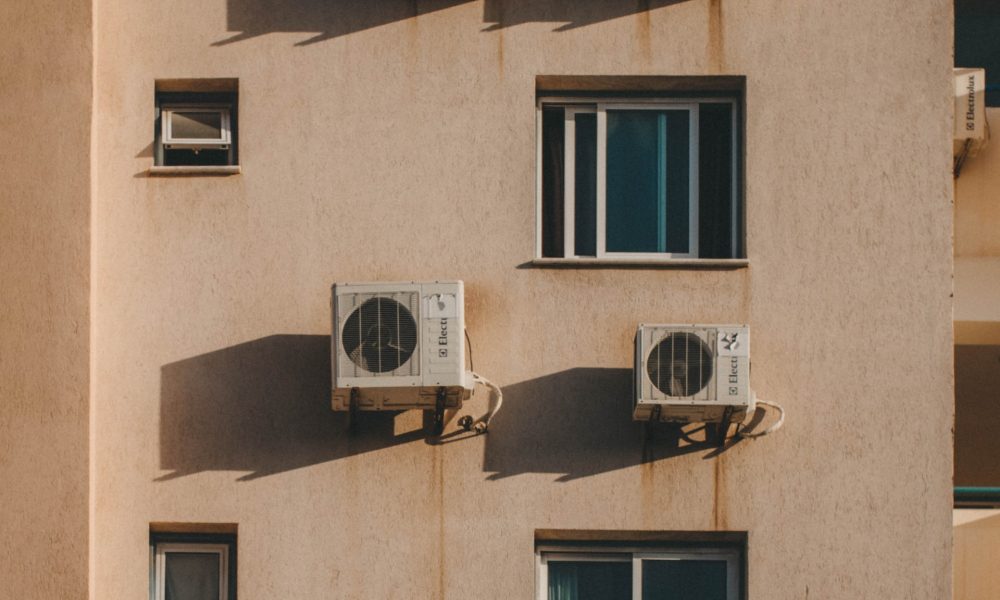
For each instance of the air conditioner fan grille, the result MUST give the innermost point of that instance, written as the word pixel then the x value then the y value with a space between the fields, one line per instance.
pixel 680 364
pixel 380 336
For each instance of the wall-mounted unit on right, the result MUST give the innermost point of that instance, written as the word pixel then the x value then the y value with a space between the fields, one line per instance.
pixel 971 130
pixel 692 373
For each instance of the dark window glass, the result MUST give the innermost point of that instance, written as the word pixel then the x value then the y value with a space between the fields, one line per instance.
pixel 590 580
pixel 715 181
pixel 977 43
pixel 647 196
pixel 192 576
pixel 553 191
pixel 191 124
pixel 585 210
pixel 683 580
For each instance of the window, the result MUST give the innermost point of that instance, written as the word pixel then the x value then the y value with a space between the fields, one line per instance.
pixel 976 42
pixel 192 566
pixel 651 174
pixel 665 569
pixel 196 123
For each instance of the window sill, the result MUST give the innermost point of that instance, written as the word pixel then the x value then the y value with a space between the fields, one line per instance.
pixel 643 263
pixel 194 170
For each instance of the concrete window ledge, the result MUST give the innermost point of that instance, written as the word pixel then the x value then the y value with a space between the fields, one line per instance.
pixel 194 170
pixel 639 263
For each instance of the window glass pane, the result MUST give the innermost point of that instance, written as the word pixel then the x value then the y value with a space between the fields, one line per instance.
pixel 715 176
pixel 196 125
pixel 684 580
pixel 192 576
pixel 553 184
pixel 590 580
pixel 977 44
pixel 648 200
pixel 586 184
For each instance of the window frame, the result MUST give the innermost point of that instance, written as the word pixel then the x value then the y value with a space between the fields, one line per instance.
pixel 181 155
pixel 599 105
pixel 546 553
pixel 191 539
pixel 221 143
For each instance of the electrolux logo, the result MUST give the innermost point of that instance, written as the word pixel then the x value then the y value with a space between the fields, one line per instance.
pixel 734 376
pixel 970 112
pixel 443 339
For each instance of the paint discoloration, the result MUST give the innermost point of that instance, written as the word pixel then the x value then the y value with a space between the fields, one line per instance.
pixel 438 490
pixel 500 59
pixel 716 61
pixel 643 38
pixel 647 484
pixel 719 521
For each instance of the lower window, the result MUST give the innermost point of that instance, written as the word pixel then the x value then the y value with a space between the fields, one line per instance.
pixel 604 572
pixel 192 567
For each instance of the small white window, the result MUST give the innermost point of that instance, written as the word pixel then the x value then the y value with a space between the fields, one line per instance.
pixel 638 178
pixel 197 123
pixel 184 568
pixel 195 127
pixel 624 573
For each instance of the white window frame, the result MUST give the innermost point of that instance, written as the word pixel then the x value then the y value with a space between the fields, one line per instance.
pixel 166 123
pixel 576 105
pixel 165 548
pixel 635 556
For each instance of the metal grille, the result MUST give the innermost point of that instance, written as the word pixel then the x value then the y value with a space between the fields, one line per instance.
pixel 681 365
pixel 379 335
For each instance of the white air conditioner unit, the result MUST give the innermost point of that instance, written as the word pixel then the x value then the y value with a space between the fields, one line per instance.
pixel 399 346
pixel 692 373
pixel 971 129
pixel 195 127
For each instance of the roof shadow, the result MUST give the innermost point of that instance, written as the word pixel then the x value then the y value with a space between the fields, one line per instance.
pixel 328 19
pixel 578 423
pixel 264 407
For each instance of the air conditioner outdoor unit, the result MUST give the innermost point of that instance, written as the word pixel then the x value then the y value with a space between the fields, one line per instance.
pixel 971 129
pixel 399 346
pixel 692 373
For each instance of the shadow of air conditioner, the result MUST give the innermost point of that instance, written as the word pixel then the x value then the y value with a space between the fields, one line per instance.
pixel 264 407
pixel 328 19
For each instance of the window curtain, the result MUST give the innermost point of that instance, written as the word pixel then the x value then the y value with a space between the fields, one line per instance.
pixel 192 576
pixel 564 582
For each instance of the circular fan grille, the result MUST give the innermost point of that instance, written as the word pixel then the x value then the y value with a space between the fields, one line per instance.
pixel 680 365
pixel 380 335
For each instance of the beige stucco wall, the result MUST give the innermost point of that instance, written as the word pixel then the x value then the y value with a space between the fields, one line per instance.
pixel 977 550
pixel 977 198
pixel 45 108
pixel 378 145
pixel 977 316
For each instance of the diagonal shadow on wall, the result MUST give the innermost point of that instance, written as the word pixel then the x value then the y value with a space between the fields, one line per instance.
pixel 578 423
pixel 327 19
pixel 263 407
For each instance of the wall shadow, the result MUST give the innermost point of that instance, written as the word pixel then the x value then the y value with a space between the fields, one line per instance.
pixel 578 423
pixel 565 14
pixel 263 407
pixel 977 421
pixel 327 19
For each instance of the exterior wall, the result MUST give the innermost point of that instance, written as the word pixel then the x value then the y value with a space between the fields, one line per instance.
pixel 977 550
pixel 977 199
pixel 45 110
pixel 396 141
pixel 977 316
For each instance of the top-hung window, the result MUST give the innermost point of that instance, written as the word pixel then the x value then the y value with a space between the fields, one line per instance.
pixel 639 168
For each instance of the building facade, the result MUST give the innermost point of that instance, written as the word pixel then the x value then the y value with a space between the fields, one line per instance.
pixel 166 329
